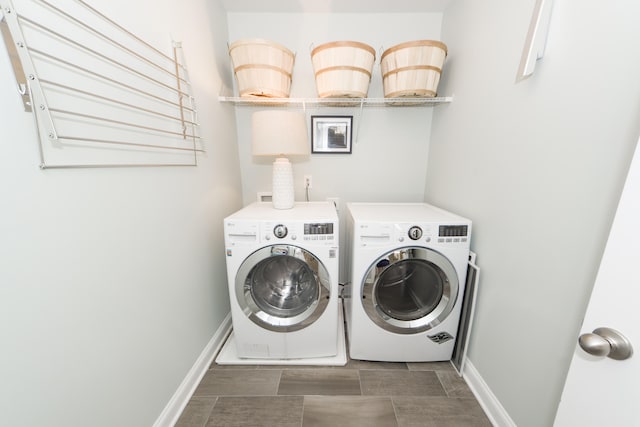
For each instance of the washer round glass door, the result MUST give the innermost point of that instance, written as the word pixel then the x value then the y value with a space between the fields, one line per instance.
pixel 410 290
pixel 283 288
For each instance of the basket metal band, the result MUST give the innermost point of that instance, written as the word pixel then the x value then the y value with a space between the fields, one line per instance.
pixel 412 67
pixel 262 66
pixel 344 67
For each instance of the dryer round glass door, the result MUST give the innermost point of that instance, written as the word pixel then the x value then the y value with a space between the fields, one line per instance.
pixel 410 290
pixel 283 288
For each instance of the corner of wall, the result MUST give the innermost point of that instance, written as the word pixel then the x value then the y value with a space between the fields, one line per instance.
pixel 180 398
pixel 496 413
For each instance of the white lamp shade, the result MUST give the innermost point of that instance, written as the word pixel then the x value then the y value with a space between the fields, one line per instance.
pixel 279 133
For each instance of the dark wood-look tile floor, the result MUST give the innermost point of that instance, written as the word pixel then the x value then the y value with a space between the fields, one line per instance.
pixel 361 393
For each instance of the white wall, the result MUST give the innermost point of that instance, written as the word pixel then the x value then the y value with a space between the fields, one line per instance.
pixel 390 146
pixel 539 167
pixel 112 281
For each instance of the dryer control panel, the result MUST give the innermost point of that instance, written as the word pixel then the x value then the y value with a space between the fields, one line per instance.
pixel 453 233
pixel 377 234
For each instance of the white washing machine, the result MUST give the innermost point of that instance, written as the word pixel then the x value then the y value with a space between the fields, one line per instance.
pixel 407 265
pixel 282 266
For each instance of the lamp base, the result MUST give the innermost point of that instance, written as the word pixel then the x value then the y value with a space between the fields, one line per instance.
pixel 282 184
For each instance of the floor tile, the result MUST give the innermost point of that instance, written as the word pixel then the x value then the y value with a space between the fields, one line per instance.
pixel 285 367
pixel 335 382
pixel 257 411
pixel 454 385
pixel 348 411
pixel 439 412
pixel 431 366
pixel 365 364
pixel 361 393
pixel 400 383
pixel 216 366
pixel 237 382
pixel 196 413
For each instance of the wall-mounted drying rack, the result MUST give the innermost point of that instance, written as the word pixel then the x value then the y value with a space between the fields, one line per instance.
pixel 100 95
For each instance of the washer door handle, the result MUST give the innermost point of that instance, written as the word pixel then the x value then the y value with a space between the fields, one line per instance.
pixel 606 342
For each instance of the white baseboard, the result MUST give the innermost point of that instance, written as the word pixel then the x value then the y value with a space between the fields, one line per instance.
pixel 180 398
pixel 489 402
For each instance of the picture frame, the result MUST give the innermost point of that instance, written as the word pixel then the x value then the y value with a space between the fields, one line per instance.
pixel 331 134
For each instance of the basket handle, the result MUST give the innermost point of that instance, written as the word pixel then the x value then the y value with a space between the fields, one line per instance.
pixel 380 52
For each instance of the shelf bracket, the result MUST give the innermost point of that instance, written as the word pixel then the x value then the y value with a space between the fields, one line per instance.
pixel 359 121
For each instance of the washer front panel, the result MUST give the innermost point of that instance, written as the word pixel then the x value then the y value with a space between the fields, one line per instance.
pixel 282 288
pixel 409 290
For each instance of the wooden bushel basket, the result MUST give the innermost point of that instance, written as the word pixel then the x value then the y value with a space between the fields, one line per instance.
pixel 343 69
pixel 412 69
pixel 262 68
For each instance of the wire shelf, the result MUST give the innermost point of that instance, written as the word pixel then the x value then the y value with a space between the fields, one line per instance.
pixel 336 102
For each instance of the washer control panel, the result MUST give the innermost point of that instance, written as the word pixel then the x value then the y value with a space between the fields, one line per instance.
pixel 292 231
pixel 318 229
pixel 415 233
pixel 280 231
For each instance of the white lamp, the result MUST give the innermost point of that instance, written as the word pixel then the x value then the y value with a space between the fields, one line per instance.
pixel 280 133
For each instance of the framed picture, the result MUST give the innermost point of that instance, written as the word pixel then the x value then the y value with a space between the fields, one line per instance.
pixel 331 134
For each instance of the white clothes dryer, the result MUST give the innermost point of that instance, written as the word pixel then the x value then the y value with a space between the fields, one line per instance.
pixel 282 267
pixel 407 265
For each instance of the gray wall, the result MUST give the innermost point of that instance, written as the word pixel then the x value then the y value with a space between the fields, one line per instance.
pixel 539 167
pixel 113 281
